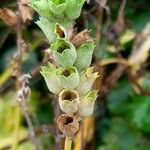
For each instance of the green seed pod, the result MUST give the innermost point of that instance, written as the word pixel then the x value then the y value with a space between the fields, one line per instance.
pixel 64 53
pixel 68 77
pixel 57 6
pixel 73 9
pixel 48 28
pixel 49 74
pixel 69 101
pixel 87 78
pixel 86 106
pixel 41 6
pixel 84 55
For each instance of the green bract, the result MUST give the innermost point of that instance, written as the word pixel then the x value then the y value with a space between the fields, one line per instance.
pixel 86 106
pixel 84 55
pixel 57 6
pixel 49 74
pixel 48 28
pixel 69 101
pixel 87 78
pixel 73 9
pixel 41 6
pixel 64 53
pixel 68 77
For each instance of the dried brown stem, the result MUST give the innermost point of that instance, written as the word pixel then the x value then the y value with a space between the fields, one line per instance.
pixel 18 75
pixel 99 25
pixel 58 135
pixel 111 80
pixel 134 80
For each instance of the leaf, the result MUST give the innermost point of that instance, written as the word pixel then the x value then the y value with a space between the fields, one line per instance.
pixel 26 11
pixel 82 38
pixel 140 113
pixel 103 4
pixel 116 102
pixel 121 137
pixel 9 17
pixel 141 49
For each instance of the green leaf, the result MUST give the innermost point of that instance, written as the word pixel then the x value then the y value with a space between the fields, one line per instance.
pixel 57 6
pixel 41 6
pixel 73 9
pixel 141 113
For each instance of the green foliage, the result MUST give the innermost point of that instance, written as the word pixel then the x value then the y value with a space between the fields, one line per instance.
pixel 140 113
pixel 120 97
pixel 122 137
pixel 124 121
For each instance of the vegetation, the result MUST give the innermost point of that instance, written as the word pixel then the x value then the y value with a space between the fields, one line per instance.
pixel 109 38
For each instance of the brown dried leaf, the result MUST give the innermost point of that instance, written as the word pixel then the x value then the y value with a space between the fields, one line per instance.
pixel 103 4
pixel 81 38
pixel 141 49
pixel 88 1
pixel 120 24
pixel 9 17
pixel 26 11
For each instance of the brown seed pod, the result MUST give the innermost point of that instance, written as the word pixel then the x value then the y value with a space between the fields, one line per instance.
pixel 68 125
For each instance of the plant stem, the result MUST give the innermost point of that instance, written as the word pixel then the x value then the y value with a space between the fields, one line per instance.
pixel 30 126
pixel 17 127
pixel 68 143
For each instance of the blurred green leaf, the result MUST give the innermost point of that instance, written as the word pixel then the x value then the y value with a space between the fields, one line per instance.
pixel 141 113
pixel 119 97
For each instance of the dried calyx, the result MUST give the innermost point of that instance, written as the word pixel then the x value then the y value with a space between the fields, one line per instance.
pixel 68 77
pixel 60 31
pixel 64 52
pixel 69 101
pixel 69 95
pixel 68 125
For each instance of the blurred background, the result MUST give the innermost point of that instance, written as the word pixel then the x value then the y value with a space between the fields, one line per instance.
pixel 121 120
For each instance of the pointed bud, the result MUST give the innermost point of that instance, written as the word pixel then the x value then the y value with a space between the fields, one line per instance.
pixel 84 55
pixel 68 125
pixel 57 6
pixel 49 74
pixel 41 6
pixel 48 28
pixel 86 106
pixel 69 101
pixel 64 53
pixel 87 78
pixel 68 77
pixel 73 9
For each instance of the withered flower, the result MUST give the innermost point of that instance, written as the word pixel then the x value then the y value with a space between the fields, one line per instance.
pixel 68 125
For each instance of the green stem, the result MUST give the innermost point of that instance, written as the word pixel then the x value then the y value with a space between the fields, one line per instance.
pixel 17 127
pixel 68 143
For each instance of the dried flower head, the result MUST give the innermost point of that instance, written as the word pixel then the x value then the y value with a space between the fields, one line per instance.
pixel 68 125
